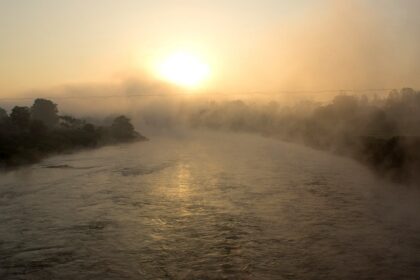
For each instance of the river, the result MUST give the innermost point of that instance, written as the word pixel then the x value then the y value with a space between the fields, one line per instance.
pixel 206 206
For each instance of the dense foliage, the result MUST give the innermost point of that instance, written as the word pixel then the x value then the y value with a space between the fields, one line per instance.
pixel 28 134
pixel 382 132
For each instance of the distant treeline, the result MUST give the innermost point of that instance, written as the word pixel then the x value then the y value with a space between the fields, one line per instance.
pixel 381 132
pixel 29 133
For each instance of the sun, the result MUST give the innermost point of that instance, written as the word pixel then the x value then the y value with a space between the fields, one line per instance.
pixel 183 69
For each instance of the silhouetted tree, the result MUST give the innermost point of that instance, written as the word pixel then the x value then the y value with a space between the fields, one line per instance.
pixel 70 122
pixel 3 114
pixel 20 116
pixel 380 125
pixel 37 129
pixel 29 134
pixel 344 106
pixel 122 128
pixel 39 136
pixel 45 111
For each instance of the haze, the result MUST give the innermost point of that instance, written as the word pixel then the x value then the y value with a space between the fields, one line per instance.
pixel 250 45
pixel 209 139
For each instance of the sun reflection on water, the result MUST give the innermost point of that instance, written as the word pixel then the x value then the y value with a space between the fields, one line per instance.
pixel 183 181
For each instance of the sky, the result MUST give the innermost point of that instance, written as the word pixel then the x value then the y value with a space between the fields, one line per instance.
pixel 264 45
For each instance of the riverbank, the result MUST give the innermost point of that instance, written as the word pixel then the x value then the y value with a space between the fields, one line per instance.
pixel 396 158
pixel 28 135
pixel 28 155
pixel 380 132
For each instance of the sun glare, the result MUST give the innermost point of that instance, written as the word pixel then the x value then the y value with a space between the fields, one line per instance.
pixel 184 69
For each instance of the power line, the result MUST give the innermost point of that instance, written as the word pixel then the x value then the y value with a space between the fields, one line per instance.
pixel 320 91
pixel 86 96
pixel 215 94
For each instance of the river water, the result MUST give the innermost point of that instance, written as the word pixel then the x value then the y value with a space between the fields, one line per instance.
pixel 205 206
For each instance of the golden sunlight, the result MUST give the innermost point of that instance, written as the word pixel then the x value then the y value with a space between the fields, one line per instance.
pixel 183 69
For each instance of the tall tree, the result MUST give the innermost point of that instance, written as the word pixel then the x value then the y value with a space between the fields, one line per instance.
pixel 20 116
pixel 45 110
pixel 122 128
pixel 3 114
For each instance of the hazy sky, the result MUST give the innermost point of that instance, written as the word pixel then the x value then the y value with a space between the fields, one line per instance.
pixel 250 45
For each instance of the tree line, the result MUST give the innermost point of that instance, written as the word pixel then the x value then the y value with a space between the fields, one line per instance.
pixel 382 132
pixel 29 133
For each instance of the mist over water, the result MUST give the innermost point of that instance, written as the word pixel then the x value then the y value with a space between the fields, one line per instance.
pixel 205 205
pixel 297 156
pixel 378 127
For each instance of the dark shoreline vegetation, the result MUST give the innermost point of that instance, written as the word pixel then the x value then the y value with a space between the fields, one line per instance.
pixel 29 134
pixel 380 132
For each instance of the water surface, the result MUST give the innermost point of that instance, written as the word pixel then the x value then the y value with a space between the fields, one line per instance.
pixel 205 206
